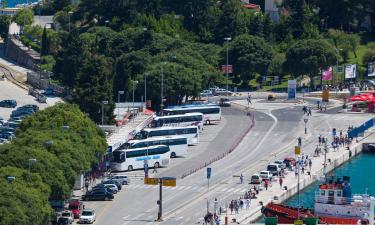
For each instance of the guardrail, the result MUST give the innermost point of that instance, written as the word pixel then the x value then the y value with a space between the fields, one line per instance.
pixel 231 149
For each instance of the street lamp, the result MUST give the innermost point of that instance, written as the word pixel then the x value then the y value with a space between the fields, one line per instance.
pixel 69 14
pixel 305 120
pixel 118 101
pixel 227 39
pixel 135 82
pixel 162 87
pixel 207 205
pixel 31 161
pixel 146 74
pixel 103 103
pixel 337 62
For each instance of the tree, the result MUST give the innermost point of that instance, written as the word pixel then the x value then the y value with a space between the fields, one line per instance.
pixel 354 42
pixel 4 25
pixel 250 55
pixel 257 25
pixel 24 17
pixel 45 44
pixel 369 56
pixel 308 57
pixel 60 4
pixel 268 28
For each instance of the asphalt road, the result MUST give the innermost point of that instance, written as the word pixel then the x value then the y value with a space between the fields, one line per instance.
pixel 273 137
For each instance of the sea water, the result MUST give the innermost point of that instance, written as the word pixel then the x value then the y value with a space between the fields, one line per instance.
pixel 361 171
pixel 13 3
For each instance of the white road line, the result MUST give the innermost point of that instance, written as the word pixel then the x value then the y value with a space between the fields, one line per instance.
pixel 230 189
pixel 132 219
pixel 223 190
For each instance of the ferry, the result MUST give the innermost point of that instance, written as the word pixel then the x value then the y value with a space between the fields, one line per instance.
pixel 333 204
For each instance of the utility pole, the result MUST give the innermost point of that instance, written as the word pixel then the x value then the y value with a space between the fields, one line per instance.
pixel 160 200
pixel 162 88
pixel 227 39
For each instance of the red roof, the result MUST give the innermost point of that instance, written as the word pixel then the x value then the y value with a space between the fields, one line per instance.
pixel 251 6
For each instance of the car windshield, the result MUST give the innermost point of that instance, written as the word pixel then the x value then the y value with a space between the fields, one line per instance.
pixel 86 213
pixel 63 219
pixel 73 207
pixel 65 214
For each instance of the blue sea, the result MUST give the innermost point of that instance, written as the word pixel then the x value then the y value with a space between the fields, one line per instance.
pixel 13 3
pixel 362 178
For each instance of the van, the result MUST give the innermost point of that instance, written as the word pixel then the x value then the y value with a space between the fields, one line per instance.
pixel 274 169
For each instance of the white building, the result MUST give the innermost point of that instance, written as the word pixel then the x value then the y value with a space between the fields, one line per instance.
pixel 271 8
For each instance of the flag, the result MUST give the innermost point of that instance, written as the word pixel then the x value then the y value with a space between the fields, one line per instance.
pixel 327 74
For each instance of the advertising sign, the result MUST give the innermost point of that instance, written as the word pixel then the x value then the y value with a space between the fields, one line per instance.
pixel 151 181
pixel 292 86
pixel 226 68
pixel 327 74
pixel 371 69
pixel 169 181
pixel 297 150
pixel 350 71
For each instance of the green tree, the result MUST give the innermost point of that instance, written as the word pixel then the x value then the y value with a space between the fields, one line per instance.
pixel 354 41
pixel 4 25
pixel 60 4
pixel 308 57
pixel 45 44
pixel 257 25
pixel 250 55
pixel 24 17
pixel 369 56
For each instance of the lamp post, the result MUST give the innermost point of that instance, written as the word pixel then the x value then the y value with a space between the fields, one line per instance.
pixel 103 103
pixel 162 88
pixel 118 101
pixel 135 82
pixel 31 162
pixel 69 14
pixel 227 39
pixel 146 74
pixel 337 63
pixel 305 121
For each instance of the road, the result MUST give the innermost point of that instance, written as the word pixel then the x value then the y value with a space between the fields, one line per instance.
pixel 274 135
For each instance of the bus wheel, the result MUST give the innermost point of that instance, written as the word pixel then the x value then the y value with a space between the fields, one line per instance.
pixel 173 155
pixel 156 165
pixel 130 168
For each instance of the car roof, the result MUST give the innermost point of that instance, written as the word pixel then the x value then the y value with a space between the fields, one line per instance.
pixel 264 171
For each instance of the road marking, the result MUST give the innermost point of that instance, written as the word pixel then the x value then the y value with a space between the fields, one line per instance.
pixel 133 219
pixel 230 189
pixel 223 190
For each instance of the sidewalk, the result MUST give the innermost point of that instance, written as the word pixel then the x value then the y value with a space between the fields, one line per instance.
pixel 278 195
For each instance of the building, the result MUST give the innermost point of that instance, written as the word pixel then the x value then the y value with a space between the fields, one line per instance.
pixel 271 8
pixel 9 11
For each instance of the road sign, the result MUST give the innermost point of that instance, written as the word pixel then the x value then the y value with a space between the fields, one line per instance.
pixel 208 172
pixel 151 181
pixel 169 181
pixel 297 150
pixel 305 120
pixel 226 68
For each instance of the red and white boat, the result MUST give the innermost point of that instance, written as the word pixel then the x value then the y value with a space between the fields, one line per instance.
pixel 333 204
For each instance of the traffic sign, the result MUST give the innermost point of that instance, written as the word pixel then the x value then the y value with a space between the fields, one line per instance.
pixel 169 181
pixel 208 172
pixel 297 150
pixel 151 181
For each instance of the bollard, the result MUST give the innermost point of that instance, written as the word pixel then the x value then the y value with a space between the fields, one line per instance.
pixel 226 220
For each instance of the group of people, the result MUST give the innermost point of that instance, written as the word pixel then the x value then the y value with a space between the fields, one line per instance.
pixel 302 163
pixel 306 110
pixel 237 204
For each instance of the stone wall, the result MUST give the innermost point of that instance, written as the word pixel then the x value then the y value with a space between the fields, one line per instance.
pixel 20 54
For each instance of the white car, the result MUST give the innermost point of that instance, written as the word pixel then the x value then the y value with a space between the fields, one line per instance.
pixel 280 163
pixel 265 175
pixel 112 186
pixel 206 93
pixel 87 216
pixel 69 215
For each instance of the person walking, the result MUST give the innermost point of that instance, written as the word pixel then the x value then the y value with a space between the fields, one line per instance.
pixel 310 165
pixel 281 182
pixel 231 206
pixel 309 112
pixel 266 184
pixel 248 202
pixel 236 205
pixel 248 99
pixel 320 139
pixel 87 184
pixel 216 206
pixel 241 178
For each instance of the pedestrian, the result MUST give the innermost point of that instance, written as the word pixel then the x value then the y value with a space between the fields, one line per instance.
pixel 248 202
pixel 248 99
pixel 266 184
pixel 304 109
pixel 87 183
pixel 320 139
pixel 303 169
pixel 231 206
pixel 216 206
pixel 241 178
pixel 281 182
pixel 299 139
pixel 236 206
pixel 310 164
pixel 241 203
pixel 309 111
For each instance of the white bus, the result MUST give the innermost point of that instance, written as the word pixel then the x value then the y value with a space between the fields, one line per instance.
pixel 188 119
pixel 211 112
pixel 131 159
pixel 190 132
pixel 177 144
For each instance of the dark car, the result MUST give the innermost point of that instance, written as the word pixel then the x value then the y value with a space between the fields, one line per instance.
pixel 118 183
pixel 224 102
pixel 8 103
pixel 18 113
pixel 98 194
pixel 63 221
pixel 30 106
pixel 102 187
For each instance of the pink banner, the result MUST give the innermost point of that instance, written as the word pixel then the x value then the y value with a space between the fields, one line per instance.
pixel 327 74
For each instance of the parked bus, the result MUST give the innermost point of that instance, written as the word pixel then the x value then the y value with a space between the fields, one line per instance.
pixel 190 132
pixel 177 144
pixel 131 159
pixel 188 119
pixel 211 112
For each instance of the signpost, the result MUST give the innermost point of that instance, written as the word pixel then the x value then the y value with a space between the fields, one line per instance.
pixel 297 150
pixel 305 120
pixel 145 168
pixel 226 69
pixel 163 181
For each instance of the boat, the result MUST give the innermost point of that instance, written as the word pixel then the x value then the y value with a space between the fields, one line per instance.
pixel 333 204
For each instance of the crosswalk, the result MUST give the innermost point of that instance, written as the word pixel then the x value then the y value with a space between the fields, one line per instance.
pixel 237 190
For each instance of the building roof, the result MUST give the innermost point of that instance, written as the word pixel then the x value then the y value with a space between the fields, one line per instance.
pixel 252 6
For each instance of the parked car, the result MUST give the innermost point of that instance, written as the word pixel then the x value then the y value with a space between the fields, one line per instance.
pixel 112 187
pixel 118 183
pixel 88 216
pixel 99 194
pixel 103 188
pixel 63 221
pixel 125 179
pixel 76 207
pixel 206 93
pixel 265 175
pixel 2 141
pixel 255 179
pixel 280 163
pixel 49 92
pixel 69 215
pixel 273 168
pixel 7 135
pixel 30 106
pixel 8 103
